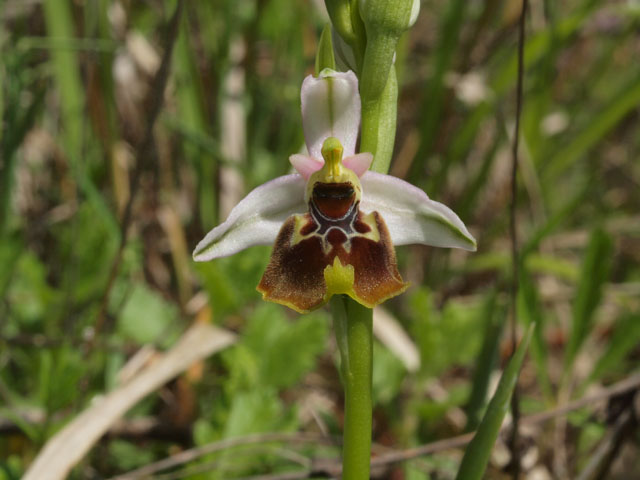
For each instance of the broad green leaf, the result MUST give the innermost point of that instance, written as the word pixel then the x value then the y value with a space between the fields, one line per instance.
pixel 476 456
pixel 147 317
pixel 287 350
pixel 274 351
pixel 30 296
pixel 252 412
pixel 442 337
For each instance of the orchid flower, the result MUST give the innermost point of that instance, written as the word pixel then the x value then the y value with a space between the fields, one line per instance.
pixel 333 224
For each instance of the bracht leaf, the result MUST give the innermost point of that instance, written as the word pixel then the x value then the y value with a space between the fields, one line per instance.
pixel 324 56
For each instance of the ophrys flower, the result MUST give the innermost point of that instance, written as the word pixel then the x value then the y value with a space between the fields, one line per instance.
pixel 334 223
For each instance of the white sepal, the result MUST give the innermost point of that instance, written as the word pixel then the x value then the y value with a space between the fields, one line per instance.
pixel 256 220
pixel 411 216
pixel 330 108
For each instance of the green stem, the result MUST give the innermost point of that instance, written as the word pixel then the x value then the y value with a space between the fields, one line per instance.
pixel 378 131
pixel 353 324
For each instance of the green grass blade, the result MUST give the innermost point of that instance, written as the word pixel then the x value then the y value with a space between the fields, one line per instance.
pixel 67 76
pixel 477 454
pixel 494 321
pixel 531 311
pixel 595 271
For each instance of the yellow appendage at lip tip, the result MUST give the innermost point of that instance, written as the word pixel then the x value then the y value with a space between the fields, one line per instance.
pixel 339 279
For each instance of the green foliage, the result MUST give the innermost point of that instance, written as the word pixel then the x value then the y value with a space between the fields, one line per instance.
pixel 147 318
pixel 441 335
pixel 254 412
pixel 388 374
pixel 231 282
pixel 30 292
pixel 275 352
pixel 128 456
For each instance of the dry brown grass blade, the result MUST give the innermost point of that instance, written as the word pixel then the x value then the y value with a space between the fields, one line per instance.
pixel 63 451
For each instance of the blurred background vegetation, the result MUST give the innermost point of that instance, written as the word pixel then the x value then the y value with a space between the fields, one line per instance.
pixel 79 148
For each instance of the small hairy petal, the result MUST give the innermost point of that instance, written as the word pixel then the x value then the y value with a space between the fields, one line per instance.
pixel 305 165
pixel 330 108
pixel 413 218
pixel 256 220
pixel 359 163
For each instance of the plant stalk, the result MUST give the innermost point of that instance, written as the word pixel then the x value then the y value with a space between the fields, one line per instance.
pixel 353 325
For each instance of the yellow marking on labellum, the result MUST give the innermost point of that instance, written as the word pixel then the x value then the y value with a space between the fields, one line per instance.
pixel 339 279
pixel 374 233
pixel 300 222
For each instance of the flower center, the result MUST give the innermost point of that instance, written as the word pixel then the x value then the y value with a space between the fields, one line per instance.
pixel 333 200
pixel 334 189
